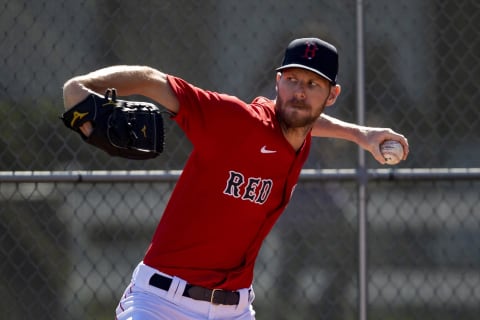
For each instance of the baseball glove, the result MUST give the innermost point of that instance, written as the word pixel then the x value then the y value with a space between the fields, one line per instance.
pixel 127 129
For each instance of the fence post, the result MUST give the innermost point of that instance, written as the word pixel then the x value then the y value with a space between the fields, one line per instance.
pixel 362 171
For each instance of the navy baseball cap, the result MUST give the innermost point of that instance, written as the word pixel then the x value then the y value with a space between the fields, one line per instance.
pixel 314 55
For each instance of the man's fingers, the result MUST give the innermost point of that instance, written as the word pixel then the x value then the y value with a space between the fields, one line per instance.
pixel 86 128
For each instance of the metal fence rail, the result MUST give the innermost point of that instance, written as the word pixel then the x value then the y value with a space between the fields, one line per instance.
pixel 172 175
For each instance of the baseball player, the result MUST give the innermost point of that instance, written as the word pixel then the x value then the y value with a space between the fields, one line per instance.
pixel 240 176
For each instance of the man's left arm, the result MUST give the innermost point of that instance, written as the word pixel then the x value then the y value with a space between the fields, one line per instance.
pixel 369 138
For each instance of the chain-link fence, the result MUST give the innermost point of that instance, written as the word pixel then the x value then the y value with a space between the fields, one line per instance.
pixel 71 233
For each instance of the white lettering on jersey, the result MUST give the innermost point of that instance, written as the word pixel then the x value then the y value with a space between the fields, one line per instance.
pixel 252 189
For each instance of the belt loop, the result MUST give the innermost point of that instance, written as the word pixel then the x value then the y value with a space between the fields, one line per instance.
pixel 180 285
pixel 172 291
pixel 246 298
pixel 136 271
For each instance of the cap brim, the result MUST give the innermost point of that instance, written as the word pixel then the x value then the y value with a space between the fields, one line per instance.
pixel 294 65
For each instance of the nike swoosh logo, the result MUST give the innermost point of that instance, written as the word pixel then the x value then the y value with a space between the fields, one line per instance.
pixel 265 150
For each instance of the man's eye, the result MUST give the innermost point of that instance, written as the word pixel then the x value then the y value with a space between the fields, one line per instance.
pixel 292 79
pixel 312 84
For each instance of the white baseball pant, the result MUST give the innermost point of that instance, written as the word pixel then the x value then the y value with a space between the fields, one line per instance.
pixel 141 301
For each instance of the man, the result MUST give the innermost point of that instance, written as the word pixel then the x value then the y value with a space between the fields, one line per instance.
pixel 240 176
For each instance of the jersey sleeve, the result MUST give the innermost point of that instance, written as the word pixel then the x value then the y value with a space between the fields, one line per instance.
pixel 205 114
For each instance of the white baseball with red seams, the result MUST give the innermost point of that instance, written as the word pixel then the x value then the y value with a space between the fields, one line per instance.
pixel 392 151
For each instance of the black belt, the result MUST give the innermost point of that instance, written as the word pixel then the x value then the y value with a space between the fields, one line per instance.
pixel 215 296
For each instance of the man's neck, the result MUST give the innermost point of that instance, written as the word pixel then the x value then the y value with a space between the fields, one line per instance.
pixel 296 136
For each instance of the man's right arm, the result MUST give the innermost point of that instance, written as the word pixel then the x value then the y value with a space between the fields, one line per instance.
pixel 127 80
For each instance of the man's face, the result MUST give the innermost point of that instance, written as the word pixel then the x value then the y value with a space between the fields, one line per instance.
pixel 301 97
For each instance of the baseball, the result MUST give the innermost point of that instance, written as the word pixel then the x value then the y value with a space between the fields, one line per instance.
pixel 392 151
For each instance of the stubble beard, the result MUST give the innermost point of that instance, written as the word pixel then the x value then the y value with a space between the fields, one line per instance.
pixel 294 120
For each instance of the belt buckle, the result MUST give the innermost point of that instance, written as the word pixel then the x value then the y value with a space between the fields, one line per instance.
pixel 212 296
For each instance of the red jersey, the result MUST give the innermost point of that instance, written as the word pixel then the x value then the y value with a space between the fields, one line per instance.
pixel 236 183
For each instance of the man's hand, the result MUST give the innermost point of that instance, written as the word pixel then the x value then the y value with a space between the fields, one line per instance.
pixel 369 138
pixel 373 137
pixel 127 129
pixel 86 129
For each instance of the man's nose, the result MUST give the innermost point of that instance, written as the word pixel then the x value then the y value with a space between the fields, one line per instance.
pixel 300 90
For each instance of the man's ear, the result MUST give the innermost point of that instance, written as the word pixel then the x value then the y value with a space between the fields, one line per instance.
pixel 334 93
pixel 279 75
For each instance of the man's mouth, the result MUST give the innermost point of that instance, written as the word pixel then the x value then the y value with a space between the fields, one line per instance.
pixel 298 105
